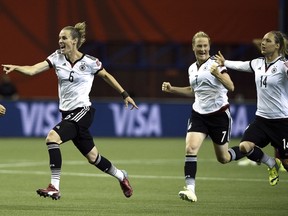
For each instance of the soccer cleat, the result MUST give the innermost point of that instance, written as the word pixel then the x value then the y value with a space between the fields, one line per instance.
pixel 282 168
pixel 50 191
pixel 125 185
pixel 273 173
pixel 187 195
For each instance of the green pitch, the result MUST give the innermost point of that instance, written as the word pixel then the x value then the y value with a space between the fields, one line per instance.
pixel 155 168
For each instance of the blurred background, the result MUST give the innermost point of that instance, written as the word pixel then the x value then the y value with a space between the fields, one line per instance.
pixel 140 42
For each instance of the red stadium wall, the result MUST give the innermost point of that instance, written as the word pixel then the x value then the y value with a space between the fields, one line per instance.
pixel 29 29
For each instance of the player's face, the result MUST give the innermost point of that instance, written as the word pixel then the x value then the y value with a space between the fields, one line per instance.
pixel 201 49
pixel 268 45
pixel 66 42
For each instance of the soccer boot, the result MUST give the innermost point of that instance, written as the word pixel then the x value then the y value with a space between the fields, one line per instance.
pixel 125 185
pixel 282 169
pixel 187 195
pixel 50 191
pixel 273 173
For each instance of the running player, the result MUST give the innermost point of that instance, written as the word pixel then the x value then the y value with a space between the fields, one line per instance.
pixel 210 116
pixel 271 122
pixel 75 71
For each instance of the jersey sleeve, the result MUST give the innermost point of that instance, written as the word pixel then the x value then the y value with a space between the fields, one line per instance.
pixel 286 67
pixel 52 58
pixel 97 66
pixel 238 65
pixel 223 69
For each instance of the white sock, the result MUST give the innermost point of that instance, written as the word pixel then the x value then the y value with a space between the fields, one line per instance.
pixel 191 188
pixel 55 183
pixel 119 175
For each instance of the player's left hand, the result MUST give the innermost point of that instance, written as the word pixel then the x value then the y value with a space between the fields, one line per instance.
pixel 2 110
pixel 131 101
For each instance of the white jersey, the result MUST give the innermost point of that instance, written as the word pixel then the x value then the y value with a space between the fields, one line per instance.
pixel 74 80
pixel 210 94
pixel 271 84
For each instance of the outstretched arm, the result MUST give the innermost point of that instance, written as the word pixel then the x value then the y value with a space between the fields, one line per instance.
pixel 114 83
pixel 234 65
pixel 28 70
pixel 185 91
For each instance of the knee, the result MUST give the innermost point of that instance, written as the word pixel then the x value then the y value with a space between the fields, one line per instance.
pixel 190 150
pixel 223 159
pixel 53 137
pixel 92 156
pixel 245 147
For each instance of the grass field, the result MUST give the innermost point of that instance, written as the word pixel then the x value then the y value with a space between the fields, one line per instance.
pixel 155 167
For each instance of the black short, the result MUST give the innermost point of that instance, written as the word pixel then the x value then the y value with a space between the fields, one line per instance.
pixel 75 126
pixel 216 125
pixel 264 131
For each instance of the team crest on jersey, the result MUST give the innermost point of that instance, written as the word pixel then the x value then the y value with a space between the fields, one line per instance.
pixel 82 67
pixel 274 70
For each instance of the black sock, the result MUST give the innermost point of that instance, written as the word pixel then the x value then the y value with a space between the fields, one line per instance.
pixel 235 153
pixel 255 154
pixel 54 155
pixel 190 167
pixel 103 164
pixel 55 163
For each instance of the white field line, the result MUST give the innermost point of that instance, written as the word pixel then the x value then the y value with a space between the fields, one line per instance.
pixel 33 164
pixel 21 172
pixel 84 162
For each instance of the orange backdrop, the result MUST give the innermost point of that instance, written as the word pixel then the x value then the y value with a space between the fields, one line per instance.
pixel 29 29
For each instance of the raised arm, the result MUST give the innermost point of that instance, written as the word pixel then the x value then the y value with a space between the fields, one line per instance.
pixel 224 77
pixel 234 65
pixel 28 70
pixel 184 91
pixel 107 77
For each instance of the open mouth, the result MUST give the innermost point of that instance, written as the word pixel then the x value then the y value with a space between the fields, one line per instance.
pixel 62 47
pixel 202 54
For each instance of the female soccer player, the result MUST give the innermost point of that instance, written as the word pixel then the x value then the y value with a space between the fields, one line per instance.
pixel 271 122
pixel 75 71
pixel 210 111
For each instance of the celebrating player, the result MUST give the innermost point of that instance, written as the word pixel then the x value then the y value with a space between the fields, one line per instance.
pixel 271 122
pixel 75 71
pixel 210 115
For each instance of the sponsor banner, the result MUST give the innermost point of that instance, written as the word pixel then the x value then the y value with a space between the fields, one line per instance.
pixel 35 119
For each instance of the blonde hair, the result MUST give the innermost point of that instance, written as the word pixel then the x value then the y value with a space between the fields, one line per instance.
pixel 78 31
pixel 281 39
pixel 200 34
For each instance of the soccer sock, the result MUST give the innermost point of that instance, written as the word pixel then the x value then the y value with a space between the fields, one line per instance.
pixel 55 163
pixel 190 170
pixel 255 154
pixel 269 161
pixel 235 153
pixel 106 166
